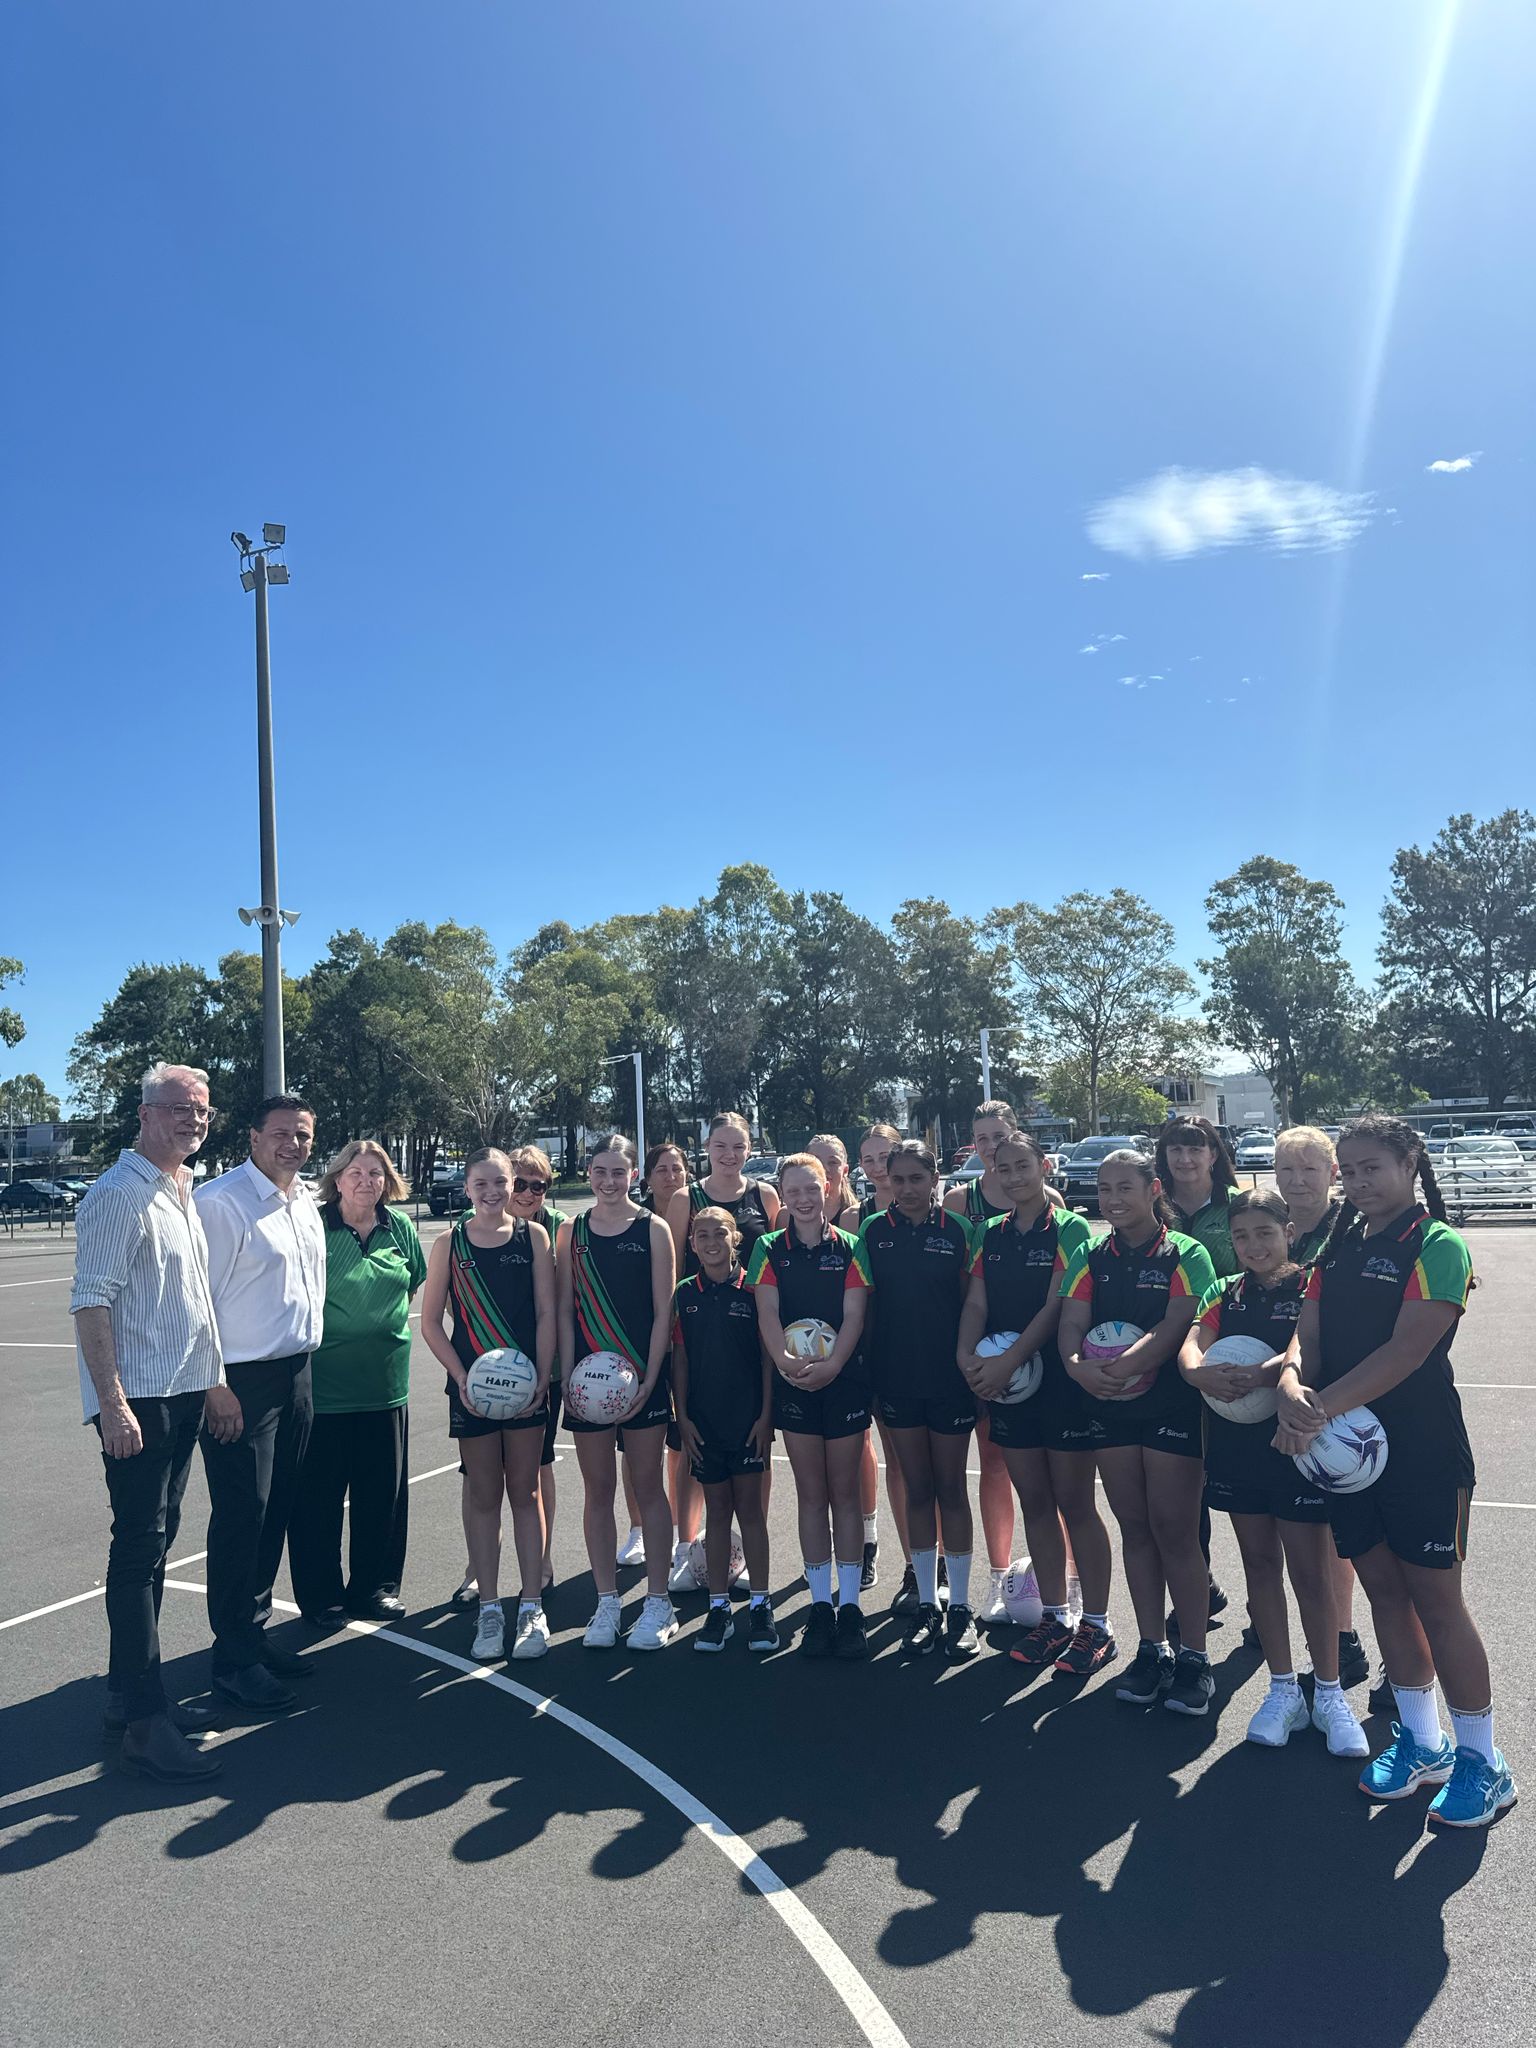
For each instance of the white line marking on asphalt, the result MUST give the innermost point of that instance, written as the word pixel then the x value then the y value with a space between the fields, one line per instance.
pixel 869 2015
pixel 37 1613
pixel 1501 1386
pixel 1527 1507
pixel 56 1280
pixel 9 1346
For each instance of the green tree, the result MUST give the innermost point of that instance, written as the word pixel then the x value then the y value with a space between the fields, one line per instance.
pixel 1124 1102
pixel 1281 991
pixel 158 1013
pixel 1458 953
pixel 12 1030
pixel 953 982
pixel 568 1005
pixel 25 1100
pixel 833 1019
pixel 1098 977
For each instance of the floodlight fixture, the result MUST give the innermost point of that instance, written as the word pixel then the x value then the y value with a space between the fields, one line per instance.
pixel 277 572
pixel 273 535
pixel 247 579
pixel 242 542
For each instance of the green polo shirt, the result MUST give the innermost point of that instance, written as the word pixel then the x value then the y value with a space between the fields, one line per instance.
pixel 365 1360
pixel 1211 1225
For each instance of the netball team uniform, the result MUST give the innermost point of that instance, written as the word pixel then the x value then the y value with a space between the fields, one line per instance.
pixel 747 1210
pixel 1419 1506
pixel 1020 1269
pixel 978 1211
pixel 813 1280
pixel 919 1274
pixel 716 1323
pixel 1244 1473
pixel 1211 1226
pixel 490 1294
pixel 1135 1284
pixel 615 1311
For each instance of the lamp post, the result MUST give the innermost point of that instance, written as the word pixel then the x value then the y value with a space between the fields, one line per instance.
pixel 257 572
pixel 618 1061
pixel 986 1064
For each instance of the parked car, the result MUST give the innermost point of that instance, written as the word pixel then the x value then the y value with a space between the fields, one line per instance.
pixel 71 1187
pixel 1079 1177
pixel 970 1168
pixel 1485 1173
pixel 40 1195
pixel 1519 1124
pixel 446 1197
pixel 1256 1151
pixel 762 1166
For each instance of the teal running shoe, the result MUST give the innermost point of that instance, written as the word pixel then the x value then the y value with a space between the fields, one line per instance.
pixel 1403 1766
pixel 1478 1792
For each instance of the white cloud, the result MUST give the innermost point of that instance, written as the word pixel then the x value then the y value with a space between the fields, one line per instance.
pixel 1105 642
pixel 1182 512
pixel 1128 680
pixel 1455 464
pixel 1091 648
pixel 1096 576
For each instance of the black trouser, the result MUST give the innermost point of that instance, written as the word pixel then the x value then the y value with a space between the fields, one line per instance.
pixel 366 1455
pixel 251 1486
pixel 145 1492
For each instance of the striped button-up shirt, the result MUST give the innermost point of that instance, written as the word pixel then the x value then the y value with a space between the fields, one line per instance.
pixel 140 1252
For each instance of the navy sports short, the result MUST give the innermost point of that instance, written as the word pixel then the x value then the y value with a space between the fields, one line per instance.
pixel 834 1411
pixel 461 1423
pixel 943 1414
pixel 1423 1524
pixel 719 1462
pixel 548 1456
pixel 1286 1496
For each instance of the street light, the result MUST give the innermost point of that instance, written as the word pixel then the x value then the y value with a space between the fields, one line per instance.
pixel 256 572
pixel 618 1061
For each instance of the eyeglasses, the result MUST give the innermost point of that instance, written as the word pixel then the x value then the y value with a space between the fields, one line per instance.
pixel 528 1187
pixel 198 1112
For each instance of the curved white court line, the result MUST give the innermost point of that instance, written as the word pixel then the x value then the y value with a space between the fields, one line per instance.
pixel 868 2014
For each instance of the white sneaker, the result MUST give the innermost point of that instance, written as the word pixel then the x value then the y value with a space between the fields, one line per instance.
pixel 1075 1598
pixel 532 1638
pixel 657 1624
pixel 489 1636
pixel 994 1607
pixel 682 1578
pixel 1332 1713
pixel 1281 1713
pixel 632 1549
pixel 603 1629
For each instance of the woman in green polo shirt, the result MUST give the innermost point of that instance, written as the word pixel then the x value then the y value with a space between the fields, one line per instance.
pixel 359 1446
pixel 1199 1178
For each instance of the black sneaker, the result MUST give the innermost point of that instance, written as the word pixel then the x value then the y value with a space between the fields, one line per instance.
pixel 960 1637
pixel 943 1582
pixel 1148 1679
pixel 1090 1650
pixel 1382 1700
pixel 906 1593
pixel 852 1642
pixel 869 1577
pixel 1218 1602
pixel 719 1625
pixel 1043 1643
pixel 1354 1665
pixel 925 1631
pixel 761 1633
pixel 1193 1687
pixel 466 1593
pixel 820 1631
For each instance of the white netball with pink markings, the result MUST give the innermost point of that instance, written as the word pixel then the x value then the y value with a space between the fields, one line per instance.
pixel 602 1388
pixel 1107 1340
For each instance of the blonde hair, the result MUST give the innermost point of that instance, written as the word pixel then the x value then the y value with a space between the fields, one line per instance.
pixel 834 1145
pixel 730 1120
pixel 394 1186
pixel 536 1157
pixel 1307 1137
pixel 806 1159
pixel 165 1074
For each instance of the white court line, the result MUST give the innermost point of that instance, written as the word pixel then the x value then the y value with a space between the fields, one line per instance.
pixel 172 1564
pixel 56 1280
pixel 869 2015
pixel 8 1346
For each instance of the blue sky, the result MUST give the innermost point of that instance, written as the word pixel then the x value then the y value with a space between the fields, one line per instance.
pixel 711 413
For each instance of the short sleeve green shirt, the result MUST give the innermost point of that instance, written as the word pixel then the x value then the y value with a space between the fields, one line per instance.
pixel 365 1360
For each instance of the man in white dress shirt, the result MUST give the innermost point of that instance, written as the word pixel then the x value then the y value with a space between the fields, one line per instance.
pixel 266 1267
pixel 150 1379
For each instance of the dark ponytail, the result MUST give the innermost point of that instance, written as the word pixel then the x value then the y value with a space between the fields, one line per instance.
pixel 1434 1201
pixel 1397 1136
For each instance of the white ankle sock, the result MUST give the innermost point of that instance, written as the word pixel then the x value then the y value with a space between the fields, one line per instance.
pixel 1473 1731
pixel 1418 1713
pixel 872 1528
pixel 848 1577
pixel 925 1563
pixel 819 1578
pixel 959 1577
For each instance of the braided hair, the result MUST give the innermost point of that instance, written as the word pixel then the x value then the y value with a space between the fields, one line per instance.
pixel 1397 1136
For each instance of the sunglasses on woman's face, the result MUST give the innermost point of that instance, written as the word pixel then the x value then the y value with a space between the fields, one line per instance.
pixel 528 1187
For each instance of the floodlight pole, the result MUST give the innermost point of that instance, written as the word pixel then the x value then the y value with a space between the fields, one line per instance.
pixel 986 1065
pixel 272 1066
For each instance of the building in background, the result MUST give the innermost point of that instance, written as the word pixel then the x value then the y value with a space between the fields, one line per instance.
pixel 1241 1101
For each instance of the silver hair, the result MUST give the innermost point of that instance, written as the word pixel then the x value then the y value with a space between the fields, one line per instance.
pixel 164 1074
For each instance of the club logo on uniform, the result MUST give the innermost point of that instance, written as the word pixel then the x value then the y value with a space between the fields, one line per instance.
pixel 1382 1267
pixel 1152 1276
pixel 623 1245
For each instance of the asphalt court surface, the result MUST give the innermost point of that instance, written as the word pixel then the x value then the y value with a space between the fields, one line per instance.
pixel 417 1854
